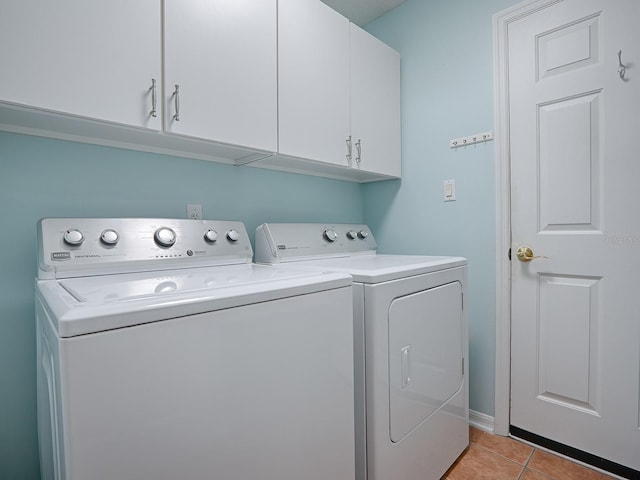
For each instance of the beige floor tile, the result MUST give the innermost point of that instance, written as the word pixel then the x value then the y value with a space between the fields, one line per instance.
pixel 481 464
pixel 562 469
pixel 505 446
pixel 533 475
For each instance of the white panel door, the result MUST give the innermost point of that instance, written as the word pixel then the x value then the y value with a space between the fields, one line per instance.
pixel 375 104
pixel 87 58
pixel 221 56
pixel 574 193
pixel 313 81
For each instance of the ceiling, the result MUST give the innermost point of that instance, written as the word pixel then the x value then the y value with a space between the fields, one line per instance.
pixel 362 12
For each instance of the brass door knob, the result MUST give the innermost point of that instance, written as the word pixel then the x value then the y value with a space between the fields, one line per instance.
pixel 524 254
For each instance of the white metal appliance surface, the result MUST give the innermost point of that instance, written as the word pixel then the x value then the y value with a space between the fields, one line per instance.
pixel 411 344
pixel 163 353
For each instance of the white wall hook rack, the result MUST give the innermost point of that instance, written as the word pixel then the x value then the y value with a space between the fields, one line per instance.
pixel 471 139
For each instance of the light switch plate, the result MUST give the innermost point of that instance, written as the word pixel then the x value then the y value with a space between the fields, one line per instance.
pixel 449 190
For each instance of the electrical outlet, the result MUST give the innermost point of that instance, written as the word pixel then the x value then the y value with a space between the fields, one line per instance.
pixel 194 211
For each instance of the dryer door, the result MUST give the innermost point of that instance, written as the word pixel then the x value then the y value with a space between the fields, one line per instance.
pixel 425 355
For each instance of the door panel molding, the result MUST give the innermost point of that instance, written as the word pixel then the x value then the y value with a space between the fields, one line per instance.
pixel 552 45
pixel 569 161
pixel 568 324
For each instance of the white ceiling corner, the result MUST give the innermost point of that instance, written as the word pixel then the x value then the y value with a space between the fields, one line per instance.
pixel 362 12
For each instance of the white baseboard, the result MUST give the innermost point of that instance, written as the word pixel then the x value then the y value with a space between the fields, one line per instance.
pixel 481 421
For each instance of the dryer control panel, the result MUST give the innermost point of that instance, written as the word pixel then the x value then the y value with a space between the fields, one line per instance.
pixel 290 242
pixel 69 247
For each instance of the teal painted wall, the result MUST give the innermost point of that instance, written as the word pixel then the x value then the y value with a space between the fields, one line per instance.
pixel 48 178
pixel 447 92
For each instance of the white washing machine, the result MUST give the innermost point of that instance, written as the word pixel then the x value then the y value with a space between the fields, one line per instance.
pixel 411 344
pixel 164 354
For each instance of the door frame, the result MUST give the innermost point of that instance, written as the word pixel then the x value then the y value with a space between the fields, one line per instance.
pixel 502 165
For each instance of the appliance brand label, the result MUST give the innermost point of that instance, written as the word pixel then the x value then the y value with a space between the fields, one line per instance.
pixel 282 247
pixel 60 255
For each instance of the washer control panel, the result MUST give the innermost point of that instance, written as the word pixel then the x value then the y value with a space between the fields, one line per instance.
pixel 102 245
pixel 297 241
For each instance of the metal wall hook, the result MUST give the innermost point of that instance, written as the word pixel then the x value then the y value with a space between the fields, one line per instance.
pixel 622 69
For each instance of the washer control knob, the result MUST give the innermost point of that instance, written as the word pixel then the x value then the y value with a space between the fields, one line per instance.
pixel 363 234
pixel 165 237
pixel 210 236
pixel 352 235
pixel 73 237
pixel 330 235
pixel 109 237
pixel 233 235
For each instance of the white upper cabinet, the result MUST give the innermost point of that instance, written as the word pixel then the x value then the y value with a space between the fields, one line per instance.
pixel 375 104
pixel 220 55
pixel 313 70
pixel 86 58
pixel 284 84
pixel 339 91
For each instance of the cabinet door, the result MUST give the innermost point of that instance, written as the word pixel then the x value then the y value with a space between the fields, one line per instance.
pixel 93 59
pixel 222 56
pixel 375 104
pixel 313 71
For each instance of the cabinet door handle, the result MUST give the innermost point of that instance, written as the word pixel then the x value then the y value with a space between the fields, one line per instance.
pixel 176 100
pixel 348 148
pixel 154 99
pixel 359 151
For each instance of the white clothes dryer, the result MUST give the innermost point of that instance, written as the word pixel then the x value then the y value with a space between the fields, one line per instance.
pixel 411 344
pixel 164 353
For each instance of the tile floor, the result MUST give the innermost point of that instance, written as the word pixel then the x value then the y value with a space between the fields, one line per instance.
pixel 492 457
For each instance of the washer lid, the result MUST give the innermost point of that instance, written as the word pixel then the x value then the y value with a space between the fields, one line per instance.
pixel 136 286
pixel 377 268
pixel 92 304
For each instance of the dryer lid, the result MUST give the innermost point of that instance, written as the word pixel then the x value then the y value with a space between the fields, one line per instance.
pixel 378 268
